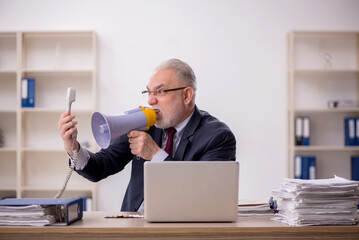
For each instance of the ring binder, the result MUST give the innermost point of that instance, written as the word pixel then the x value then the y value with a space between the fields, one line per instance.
pixel 65 211
pixel 28 92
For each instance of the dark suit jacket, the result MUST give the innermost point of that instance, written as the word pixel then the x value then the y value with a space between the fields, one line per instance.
pixel 205 138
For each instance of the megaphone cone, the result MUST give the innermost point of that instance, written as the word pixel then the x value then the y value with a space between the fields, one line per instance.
pixel 106 128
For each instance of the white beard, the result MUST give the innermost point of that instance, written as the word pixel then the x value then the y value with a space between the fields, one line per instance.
pixel 170 119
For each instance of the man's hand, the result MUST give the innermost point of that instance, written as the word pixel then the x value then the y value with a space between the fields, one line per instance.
pixel 142 144
pixel 66 128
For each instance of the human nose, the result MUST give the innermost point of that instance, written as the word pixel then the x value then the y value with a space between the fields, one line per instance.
pixel 152 99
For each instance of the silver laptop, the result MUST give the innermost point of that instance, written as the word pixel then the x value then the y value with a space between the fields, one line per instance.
pixel 191 191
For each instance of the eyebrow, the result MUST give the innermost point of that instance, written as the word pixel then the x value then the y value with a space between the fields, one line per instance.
pixel 157 87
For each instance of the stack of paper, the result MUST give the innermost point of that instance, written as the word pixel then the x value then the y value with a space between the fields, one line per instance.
pixel 30 215
pixel 255 210
pixel 317 202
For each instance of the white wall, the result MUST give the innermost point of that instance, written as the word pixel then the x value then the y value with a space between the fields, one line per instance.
pixel 236 48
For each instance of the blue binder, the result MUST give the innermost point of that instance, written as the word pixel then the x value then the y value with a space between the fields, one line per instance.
pixel 305 167
pixel 306 131
pixel 302 131
pixel 298 131
pixel 28 92
pixel 355 167
pixel 68 211
pixel 350 131
pixel 297 167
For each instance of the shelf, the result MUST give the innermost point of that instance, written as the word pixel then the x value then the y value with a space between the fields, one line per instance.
pixel 45 150
pixel 51 87
pixel 5 71
pixel 310 51
pixel 325 148
pixel 8 90
pixel 8 166
pixel 7 188
pixel 58 51
pixel 48 150
pixel 300 33
pixel 57 188
pixel 8 127
pixel 322 67
pixel 56 34
pixel 64 71
pixel 8 149
pixel 8 54
pixel 325 71
pixel 7 110
pixel 52 110
pixel 36 191
pixel 326 110
pixel 33 161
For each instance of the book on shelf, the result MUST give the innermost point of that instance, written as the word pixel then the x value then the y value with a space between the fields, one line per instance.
pixel 2 141
pixel 305 167
pixel 302 131
pixel 28 92
pixel 351 129
pixel 355 168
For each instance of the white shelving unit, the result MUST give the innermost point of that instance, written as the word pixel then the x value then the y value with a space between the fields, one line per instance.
pixel 313 80
pixel 33 162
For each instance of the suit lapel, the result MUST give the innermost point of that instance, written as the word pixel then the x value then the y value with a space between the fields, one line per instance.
pixel 157 136
pixel 188 134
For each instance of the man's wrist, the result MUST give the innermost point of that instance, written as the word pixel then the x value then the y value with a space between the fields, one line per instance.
pixel 160 156
pixel 76 147
pixel 83 157
pixel 155 152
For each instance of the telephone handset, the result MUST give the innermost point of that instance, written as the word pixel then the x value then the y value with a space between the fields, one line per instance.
pixel 70 98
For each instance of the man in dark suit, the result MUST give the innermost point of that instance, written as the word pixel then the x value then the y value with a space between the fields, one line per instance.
pixel 182 132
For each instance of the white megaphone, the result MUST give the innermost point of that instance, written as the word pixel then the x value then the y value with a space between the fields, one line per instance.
pixel 107 128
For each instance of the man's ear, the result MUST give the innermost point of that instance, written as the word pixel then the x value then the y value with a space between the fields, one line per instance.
pixel 188 95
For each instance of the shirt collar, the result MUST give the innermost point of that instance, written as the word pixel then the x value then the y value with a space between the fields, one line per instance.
pixel 181 126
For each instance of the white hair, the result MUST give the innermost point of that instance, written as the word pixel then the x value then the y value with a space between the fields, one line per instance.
pixel 182 70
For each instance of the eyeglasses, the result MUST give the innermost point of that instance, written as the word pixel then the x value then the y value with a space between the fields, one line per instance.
pixel 160 92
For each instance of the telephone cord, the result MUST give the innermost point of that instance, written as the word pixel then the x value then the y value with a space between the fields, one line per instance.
pixel 73 162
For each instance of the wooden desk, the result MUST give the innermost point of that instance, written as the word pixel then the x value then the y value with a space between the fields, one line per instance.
pixel 95 226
